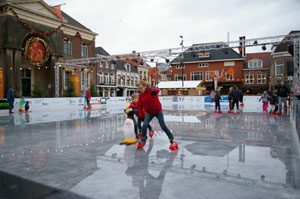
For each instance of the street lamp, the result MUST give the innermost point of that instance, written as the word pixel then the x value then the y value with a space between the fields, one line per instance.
pixel 181 62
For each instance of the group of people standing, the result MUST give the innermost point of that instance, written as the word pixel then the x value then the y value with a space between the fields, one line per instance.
pixel 276 99
pixel 234 98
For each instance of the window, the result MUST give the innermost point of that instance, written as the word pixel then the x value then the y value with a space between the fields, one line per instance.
pixel 255 63
pixel 119 79
pixel 67 47
pixel 178 77
pixel 112 79
pixel 229 77
pixel 261 78
pixel 67 79
pixel 127 67
pixel 201 65
pixel 196 75
pixel 84 50
pixel 279 68
pixel 249 79
pixel 179 66
pixel 106 78
pixel 106 65
pixel 83 81
pixel 112 66
pixel 101 79
pixel 208 77
pixel 141 74
pixel 204 55
pixel 229 63
pixel 169 77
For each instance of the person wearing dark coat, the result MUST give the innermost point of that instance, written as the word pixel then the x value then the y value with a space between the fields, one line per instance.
pixel 282 93
pixel 235 95
pixel 10 99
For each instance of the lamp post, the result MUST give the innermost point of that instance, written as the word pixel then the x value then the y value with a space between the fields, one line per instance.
pixel 181 62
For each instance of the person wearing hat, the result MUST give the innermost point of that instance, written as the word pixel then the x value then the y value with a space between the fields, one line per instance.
pixel 11 99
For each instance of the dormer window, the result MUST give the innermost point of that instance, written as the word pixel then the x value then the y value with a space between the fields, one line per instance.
pixel 255 63
pixel 127 67
pixel 203 55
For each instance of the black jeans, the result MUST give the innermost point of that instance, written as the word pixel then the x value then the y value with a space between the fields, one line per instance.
pixel 235 101
pixel 161 121
pixel 217 105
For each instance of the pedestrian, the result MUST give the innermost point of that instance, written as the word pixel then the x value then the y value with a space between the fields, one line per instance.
pixel 265 100
pixel 282 93
pixel 88 99
pixel 11 99
pixel 149 101
pixel 273 102
pixel 217 101
pixel 212 96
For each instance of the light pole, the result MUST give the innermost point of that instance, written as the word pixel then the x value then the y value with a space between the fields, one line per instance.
pixel 181 62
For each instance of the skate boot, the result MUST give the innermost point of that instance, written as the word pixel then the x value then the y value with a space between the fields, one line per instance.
pixel 173 146
pixel 151 134
pixel 216 111
pixel 142 143
pixel 139 135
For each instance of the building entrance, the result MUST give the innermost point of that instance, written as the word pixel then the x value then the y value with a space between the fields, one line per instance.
pixel 26 82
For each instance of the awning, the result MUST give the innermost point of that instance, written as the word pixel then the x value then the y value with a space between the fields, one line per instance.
pixel 178 84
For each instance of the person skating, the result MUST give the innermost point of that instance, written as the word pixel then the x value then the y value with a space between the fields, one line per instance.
pixel 282 93
pixel 21 104
pixel 10 99
pixel 149 100
pixel 265 100
pixel 217 101
pixel 230 99
pixel 235 95
pixel 88 99
pixel 274 103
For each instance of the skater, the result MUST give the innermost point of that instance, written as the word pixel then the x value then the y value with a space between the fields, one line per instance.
pixel 235 95
pixel 241 99
pixel 282 93
pixel 273 103
pixel 265 99
pixel 230 98
pixel 88 99
pixel 11 99
pixel 22 102
pixel 217 101
pixel 149 100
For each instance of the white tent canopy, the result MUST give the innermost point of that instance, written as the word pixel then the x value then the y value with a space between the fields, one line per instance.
pixel 178 84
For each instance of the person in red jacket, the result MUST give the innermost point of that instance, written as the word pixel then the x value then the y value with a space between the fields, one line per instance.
pixel 149 100
pixel 88 98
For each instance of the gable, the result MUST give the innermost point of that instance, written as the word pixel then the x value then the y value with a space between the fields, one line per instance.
pixel 37 6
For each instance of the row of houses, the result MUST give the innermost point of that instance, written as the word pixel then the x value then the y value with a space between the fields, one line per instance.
pixel 35 36
pixel 252 73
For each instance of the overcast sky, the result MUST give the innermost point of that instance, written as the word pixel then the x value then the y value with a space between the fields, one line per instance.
pixel 142 25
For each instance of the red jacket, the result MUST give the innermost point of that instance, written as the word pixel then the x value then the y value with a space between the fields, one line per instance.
pixel 150 102
pixel 140 114
pixel 88 94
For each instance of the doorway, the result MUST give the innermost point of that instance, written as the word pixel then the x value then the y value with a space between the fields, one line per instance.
pixel 26 82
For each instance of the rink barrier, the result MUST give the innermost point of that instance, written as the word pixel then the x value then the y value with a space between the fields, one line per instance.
pixel 168 102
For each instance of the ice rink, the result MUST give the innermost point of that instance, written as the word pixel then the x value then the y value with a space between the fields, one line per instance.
pixel 77 154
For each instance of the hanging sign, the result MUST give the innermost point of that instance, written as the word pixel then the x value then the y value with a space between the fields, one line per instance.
pixel 37 51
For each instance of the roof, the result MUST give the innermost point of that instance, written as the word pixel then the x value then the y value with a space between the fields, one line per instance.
pixel 265 56
pixel 71 21
pixel 284 45
pixel 120 66
pixel 215 55
pixel 178 84
pixel 101 51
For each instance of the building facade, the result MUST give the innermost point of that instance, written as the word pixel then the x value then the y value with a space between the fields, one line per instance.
pixel 256 73
pixel 220 66
pixel 35 36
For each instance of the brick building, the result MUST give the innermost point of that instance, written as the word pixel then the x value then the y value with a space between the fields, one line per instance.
pixel 224 64
pixel 35 36
pixel 256 72
pixel 282 64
